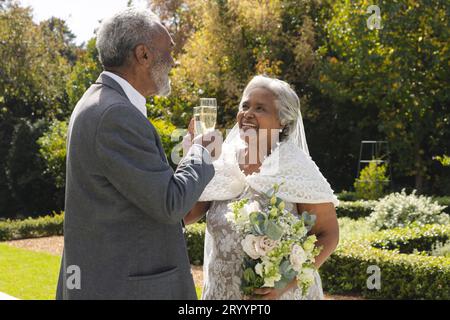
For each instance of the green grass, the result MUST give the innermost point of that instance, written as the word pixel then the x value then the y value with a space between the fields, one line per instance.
pixel 28 275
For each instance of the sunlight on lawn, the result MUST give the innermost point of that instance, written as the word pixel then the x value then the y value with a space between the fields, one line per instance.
pixel 28 275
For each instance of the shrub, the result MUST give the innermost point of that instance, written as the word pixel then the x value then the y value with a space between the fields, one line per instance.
pixel 400 209
pixel 53 150
pixel 347 196
pixel 403 276
pixel 441 249
pixel 372 182
pixel 443 201
pixel 165 129
pixel 406 240
pixel 50 225
pixel 351 229
pixel 195 239
pixel 355 209
pixel 30 190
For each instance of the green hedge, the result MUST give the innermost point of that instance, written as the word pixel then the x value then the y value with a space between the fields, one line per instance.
pixel 47 226
pixel 195 238
pixel 361 208
pixel 355 209
pixel 403 276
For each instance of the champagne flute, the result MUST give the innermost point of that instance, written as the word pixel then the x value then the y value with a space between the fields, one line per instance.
pixel 205 116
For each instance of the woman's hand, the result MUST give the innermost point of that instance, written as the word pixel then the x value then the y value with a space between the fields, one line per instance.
pixel 271 293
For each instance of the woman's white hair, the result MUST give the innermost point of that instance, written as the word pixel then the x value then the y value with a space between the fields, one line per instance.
pixel 121 33
pixel 288 105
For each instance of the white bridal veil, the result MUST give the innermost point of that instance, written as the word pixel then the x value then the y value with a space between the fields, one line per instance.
pixel 289 165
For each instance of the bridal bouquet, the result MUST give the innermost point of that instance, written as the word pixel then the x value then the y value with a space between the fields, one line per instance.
pixel 275 241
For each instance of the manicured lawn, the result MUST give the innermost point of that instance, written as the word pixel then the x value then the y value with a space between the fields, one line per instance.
pixel 28 275
pixel 31 275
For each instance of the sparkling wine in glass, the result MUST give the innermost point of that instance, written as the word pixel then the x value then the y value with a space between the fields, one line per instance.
pixel 205 116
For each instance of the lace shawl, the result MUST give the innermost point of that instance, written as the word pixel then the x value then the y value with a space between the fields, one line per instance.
pixel 289 166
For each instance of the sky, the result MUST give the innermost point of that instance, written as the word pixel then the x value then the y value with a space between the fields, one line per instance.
pixel 82 16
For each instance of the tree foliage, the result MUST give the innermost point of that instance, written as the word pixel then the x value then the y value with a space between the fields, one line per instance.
pixel 399 75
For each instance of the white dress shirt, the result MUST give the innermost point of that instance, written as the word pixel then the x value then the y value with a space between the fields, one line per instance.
pixel 137 99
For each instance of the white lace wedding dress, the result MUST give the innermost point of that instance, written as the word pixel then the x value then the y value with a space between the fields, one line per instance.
pixel 301 181
pixel 223 270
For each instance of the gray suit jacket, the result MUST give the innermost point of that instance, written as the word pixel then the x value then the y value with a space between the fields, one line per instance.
pixel 124 204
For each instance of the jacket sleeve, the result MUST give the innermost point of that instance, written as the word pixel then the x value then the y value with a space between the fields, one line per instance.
pixel 125 144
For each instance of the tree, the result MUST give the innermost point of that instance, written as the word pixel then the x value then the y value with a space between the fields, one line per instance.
pixel 60 38
pixel 84 73
pixel 180 17
pixel 32 92
pixel 234 40
pixel 399 75
pixel 32 190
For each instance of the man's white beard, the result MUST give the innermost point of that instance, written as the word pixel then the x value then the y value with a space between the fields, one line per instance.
pixel 162 81
pixel 165 89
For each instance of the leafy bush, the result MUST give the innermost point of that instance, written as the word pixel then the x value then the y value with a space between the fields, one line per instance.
pixel 407 240
pixel 165 130
pixel 195 238
pixel 351 229
pixel 403 276
pixel 53 150
pixel 355 209
pixel 30 190
pixel 347 196
pixel 441 249
pixel 47 226
pixel 443 201
pixel 372 182
pixel 400 209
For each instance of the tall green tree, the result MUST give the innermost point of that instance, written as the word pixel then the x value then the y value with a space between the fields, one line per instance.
pixel 33 75
pixel 398 75
pixel 234 40
pixel 84 73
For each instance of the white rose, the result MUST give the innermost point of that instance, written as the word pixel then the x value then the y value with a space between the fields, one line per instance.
pixel 298 257
pixel 248 244
pixel 270 281
pixel 230 216
pixel 306 276
pixel 259 269
pixel 310 243
pixel 244 213
pixel 264 245
pixel 249 208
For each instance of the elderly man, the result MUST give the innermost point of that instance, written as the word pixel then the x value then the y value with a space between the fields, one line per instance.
pixel 124 205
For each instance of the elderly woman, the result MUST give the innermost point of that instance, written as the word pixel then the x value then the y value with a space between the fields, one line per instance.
pixel 252 161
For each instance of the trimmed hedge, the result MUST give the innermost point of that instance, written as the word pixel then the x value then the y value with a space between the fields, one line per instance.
pixel 403 276
pixel 361 208
pixel 47 226
pixel 355 209
pixel 195 239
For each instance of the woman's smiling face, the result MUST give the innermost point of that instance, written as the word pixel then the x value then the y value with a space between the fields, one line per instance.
pixel 259 111
pixel 259 115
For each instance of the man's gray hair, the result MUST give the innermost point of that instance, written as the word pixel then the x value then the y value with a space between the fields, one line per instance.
pixel 121 33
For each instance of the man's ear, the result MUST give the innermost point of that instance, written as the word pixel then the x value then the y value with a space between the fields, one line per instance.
pixel 143 55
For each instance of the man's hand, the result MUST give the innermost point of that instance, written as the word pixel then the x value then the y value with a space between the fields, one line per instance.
pixel 212 141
